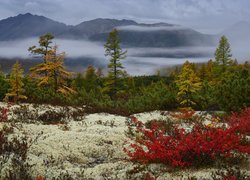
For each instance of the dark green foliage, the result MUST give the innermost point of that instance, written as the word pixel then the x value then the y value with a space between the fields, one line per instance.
pixel 44 95
pixel 233 92
pixel 143 93
pixel 4 86
pixel 223 85
pixel 137 98
pixel 142 81
pixel 90 78
pixel 204 97
pixel 156 96
pixel 223 57
pixel 44 46
pixel 114 81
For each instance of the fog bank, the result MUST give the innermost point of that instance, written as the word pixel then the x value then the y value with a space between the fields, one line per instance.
pixel 140 61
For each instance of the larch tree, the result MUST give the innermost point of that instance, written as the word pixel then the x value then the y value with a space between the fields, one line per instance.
pixel 4 85
pixel 56 73
pixel 90 78
pixel 16 91
pixel 203 72
pixel 188 84
pixel 90 73
pixel 99 73
pixel 115 52
pixel 210 67
pixel 223 56
pixel 44 46
pixel 43 49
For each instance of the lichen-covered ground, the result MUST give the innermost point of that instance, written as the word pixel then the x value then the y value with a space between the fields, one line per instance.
pixel 90 148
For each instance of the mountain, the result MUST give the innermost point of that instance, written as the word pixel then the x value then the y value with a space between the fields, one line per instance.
pixel 238 29
pixel 238 32
pixel 239 38
pixel 132 34
pixel 158 35
pixel 28 25
pixel 96 26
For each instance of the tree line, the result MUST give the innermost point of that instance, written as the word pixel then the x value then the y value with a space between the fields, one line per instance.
pixel 219 84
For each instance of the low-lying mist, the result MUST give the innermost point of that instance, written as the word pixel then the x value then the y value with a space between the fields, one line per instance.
pixel 139 61
pixel 143 28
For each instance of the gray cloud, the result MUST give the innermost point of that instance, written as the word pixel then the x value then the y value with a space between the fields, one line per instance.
pixel 204 15
pixel 139 61
pixel 147 29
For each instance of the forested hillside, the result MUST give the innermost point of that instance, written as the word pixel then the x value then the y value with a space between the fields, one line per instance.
pixel 219 84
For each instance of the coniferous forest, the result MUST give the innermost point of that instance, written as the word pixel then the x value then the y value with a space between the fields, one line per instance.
pixel 221 84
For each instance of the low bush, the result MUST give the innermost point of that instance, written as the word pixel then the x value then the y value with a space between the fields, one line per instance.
pixel 241 121
pixel 230 173
pixel 25 114
pixel 202 146
pixel 4 113
pixel 186 114
pixel 13 152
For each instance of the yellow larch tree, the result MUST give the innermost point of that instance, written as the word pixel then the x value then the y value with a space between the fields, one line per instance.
pixel 56 73
pixel 188 84
pixel 16 90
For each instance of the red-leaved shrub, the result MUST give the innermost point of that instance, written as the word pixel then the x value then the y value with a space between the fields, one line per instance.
pixel 40 177
pixel 202 145
pixel 149 177
pixel 241 121
pixel 4 113
pixel 184 114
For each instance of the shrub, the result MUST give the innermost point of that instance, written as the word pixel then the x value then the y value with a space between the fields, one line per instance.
pixel 4 85
pixel 203 145
pixel 156 96
pixel 4 113
pixel 164 125
pixel 51 116
pixel 185 114
pixel 230 173
pixel 241 121
pixel 13 152
pixel 22 113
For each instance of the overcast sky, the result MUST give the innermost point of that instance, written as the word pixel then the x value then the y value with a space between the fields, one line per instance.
pixel 210 16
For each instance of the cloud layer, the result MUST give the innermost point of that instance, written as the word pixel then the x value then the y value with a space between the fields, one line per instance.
pixel 139 61
pixel 147 29
pixel 205 15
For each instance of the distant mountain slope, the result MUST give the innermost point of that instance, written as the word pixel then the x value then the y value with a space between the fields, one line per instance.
pixel 239 28
pixel 158 35
pixel 28 25
pixel 239 32
pixel 131 33
pixel 239 38
pixel 96 26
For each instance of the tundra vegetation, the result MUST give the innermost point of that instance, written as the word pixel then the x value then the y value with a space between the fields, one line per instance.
pixel 204 110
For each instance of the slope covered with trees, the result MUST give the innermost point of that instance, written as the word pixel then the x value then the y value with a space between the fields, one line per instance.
pixel 220 84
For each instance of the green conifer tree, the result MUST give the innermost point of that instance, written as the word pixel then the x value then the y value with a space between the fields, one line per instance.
pixel 90 78
pixel 223 57
pixel 115 52
pixel 4 85
pixel 16 90
pixel 44 46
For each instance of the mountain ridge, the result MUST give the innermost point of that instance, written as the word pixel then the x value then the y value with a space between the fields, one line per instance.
pixel 131 33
